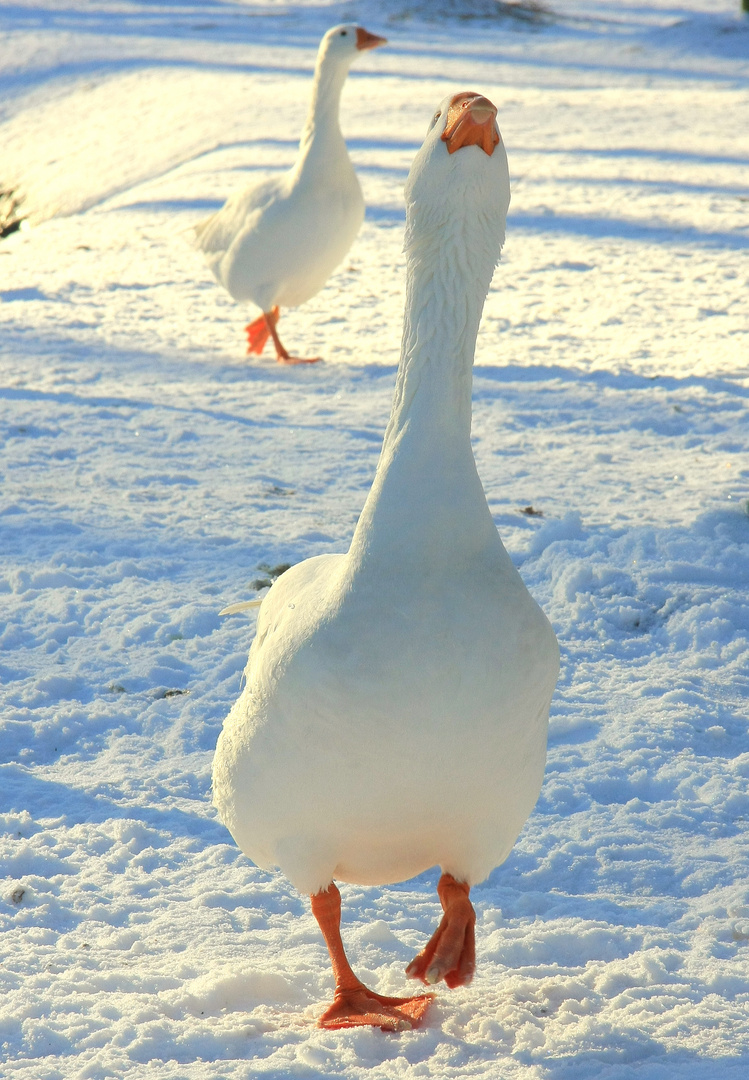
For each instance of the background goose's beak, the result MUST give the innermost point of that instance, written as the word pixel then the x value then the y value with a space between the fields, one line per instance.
pixel 471 121
pixel 365 40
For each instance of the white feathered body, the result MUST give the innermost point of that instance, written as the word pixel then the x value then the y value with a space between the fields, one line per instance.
pixel 396 705
pixel 279 242
pixel 369 749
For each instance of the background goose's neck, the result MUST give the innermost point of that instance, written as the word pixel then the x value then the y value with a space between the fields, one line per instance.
pixel 322 117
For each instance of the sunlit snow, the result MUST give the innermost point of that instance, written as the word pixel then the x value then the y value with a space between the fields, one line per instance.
pixel 153 474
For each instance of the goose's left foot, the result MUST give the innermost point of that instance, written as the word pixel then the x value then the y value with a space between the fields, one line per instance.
pixel 258 331
pixel 355 1005
pixel 451 951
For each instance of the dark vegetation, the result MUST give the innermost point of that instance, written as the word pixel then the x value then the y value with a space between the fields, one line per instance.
pixel 10 211
pixel 532 12
pixel 525 10
pixel 273 572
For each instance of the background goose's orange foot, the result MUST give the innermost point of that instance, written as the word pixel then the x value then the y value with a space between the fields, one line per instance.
pixel 364 1008
pixel 299 359
pixel 258 333
pixel 256 339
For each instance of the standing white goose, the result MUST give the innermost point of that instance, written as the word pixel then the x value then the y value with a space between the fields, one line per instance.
pixel 397 697
pixel 276 243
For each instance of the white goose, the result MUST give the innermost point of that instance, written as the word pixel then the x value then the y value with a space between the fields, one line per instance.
pixel 277 242
pixel 397 697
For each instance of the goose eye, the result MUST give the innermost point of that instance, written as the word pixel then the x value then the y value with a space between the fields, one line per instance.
pixel 344 33
pixel 434 120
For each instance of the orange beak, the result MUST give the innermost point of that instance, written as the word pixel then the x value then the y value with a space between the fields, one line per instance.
pixel 471 121
pixel 365 40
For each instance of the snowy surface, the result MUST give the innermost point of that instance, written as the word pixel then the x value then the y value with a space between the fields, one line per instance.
pixel 151 475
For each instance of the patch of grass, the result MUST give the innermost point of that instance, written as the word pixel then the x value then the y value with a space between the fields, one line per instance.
pixel 10 211
pixel 272 572
pixel 525 10
pixel 531 12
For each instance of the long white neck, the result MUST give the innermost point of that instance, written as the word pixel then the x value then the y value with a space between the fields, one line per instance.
pixel 445 291
pixel 322 136
pixel 427 501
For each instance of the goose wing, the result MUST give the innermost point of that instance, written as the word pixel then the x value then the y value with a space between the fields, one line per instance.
pixel 215 234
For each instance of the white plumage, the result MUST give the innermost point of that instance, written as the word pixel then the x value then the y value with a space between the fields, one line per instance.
pixel 276 243
pixel 397 697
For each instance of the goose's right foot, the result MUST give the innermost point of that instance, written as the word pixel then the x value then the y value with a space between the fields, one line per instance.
pixel 361 1007
pixel 286 359
pixel 282 356
pixel 355 1005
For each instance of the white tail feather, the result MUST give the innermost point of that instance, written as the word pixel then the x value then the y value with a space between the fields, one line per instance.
pixel 244 605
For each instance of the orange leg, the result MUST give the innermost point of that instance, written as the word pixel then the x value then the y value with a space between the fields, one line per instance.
pixel 258 331
pixel 355 1005
pixel 282 355
pixel 450 953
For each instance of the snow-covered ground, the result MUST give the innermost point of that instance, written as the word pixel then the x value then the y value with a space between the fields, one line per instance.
pixel 152 474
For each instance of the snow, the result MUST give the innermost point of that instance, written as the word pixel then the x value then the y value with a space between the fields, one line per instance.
pixel 153 475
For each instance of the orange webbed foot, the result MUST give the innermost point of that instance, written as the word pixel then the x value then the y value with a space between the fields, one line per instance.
pixel 259 331
pixel 450 953
pixel 361 1007
pixel 297 359
pixel 355 1005
pixel 282 354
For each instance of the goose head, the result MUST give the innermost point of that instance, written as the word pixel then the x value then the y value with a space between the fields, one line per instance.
pixel 342 44
pixel 459 183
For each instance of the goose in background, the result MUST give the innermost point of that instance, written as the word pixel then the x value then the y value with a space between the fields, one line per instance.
pixel 276 243
pixel 396 706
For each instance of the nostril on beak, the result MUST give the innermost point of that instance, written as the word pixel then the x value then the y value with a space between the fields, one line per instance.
pixel 482 109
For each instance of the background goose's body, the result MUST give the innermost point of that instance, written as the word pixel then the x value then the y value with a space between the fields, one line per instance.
pixel 277 243
pixel 397 697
